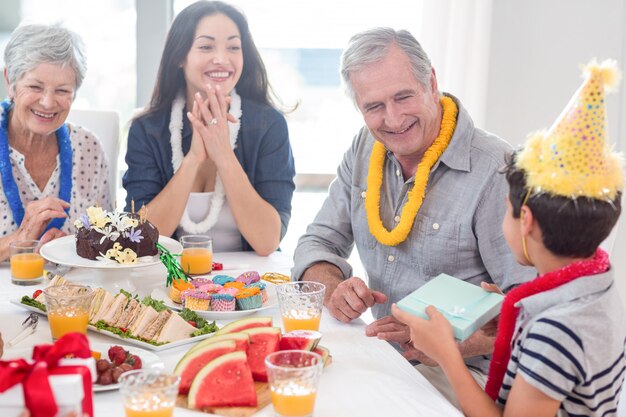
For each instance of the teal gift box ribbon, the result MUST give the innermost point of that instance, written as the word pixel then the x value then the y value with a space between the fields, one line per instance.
pixel 466 306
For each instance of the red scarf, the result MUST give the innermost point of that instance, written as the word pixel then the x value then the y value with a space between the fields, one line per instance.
pixel 508 313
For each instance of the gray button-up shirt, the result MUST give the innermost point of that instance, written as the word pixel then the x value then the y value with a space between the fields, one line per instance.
pixel 457 230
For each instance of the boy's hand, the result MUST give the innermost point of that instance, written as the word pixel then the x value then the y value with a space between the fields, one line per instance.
pixel 489 287
pixel 491 328
pixel 433 337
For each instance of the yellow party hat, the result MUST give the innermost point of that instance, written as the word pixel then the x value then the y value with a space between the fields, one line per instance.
pixel 574 158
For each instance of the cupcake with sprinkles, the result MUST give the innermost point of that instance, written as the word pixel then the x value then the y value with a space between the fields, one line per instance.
pixel 198 282
pixel 177 287
pixel 249 298
pixel 232 291
pixel 222 302
pixel 222 279
pixel 196 299
pixel 249 277
pixel 235 284
pixel 211 288
pixel 262 287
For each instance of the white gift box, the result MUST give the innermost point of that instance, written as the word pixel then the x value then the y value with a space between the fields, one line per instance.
pixel 68 394
pixel 90 363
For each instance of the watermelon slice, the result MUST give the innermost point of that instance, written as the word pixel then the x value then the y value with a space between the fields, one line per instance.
pixel 241 341
pixel 300 339
pixel 263 341
pixel 190 364
pixel 223 382
pixel 242 324
pixel 324 353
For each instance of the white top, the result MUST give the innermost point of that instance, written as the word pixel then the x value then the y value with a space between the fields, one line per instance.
pixel 90 183
pixel 225 234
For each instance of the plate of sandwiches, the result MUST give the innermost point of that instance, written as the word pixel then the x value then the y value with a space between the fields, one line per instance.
pixel 62 251
pixel 147 323
pixel 160 293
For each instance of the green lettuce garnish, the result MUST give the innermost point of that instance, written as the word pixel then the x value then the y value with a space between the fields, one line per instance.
pixel 29 301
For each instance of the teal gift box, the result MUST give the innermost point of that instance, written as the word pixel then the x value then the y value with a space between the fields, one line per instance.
pixel 466 306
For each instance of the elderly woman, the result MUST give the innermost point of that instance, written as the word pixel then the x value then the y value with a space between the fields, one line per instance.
pixel 51 171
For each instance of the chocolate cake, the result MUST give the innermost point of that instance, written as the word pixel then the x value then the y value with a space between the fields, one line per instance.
pixel 118 236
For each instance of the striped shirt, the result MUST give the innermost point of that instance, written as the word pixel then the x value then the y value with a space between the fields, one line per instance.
pixel 569 343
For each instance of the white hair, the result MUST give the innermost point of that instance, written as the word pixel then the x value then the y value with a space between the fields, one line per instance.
pixel 31 45
pixel 372 46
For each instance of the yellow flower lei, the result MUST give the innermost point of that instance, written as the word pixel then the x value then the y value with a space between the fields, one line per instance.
pixel 416 195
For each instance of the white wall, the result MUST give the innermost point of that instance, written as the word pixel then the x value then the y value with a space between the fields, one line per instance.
pixel 537 47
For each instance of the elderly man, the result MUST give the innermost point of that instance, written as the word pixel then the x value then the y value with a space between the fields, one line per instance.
pixel 418 192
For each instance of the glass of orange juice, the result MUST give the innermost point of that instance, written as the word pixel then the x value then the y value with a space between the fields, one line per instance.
pixel 293 379
pixel 197 257
pixel 301 304
pixel 26 262
pixel 68 308
pixel 149 393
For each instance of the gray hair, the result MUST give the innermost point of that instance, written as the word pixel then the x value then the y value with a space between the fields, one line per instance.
pixel 31 45
pixel 372 46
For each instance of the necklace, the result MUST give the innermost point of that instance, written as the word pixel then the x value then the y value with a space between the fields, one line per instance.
pixel 8 182
pixel 416 195
pixel 176 128
pixel 509 312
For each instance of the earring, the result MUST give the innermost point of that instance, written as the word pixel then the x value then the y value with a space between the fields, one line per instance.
pixel 524 245
pixel 524 249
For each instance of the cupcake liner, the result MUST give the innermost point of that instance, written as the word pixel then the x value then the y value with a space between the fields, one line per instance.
pixel 223 303
pixel 249 303
pixel 196 299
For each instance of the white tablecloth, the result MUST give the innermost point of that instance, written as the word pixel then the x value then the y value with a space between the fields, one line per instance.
pixel 367 376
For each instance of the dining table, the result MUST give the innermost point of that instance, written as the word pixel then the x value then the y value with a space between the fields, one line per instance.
pixel 367 376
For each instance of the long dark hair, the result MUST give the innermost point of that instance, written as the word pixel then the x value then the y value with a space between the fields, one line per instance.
pixel 253 83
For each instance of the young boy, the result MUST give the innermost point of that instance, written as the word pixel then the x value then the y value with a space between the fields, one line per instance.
pixel 560 343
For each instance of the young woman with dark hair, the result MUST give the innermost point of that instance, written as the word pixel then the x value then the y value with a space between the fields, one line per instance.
pixel 211 154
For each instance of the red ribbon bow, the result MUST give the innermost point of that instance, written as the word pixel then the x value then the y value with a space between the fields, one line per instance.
pixel 38 395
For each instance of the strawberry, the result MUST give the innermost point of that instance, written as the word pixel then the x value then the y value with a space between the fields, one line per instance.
pixel 36 293
pixel 119 358
pixel 135 361
pixel 117 354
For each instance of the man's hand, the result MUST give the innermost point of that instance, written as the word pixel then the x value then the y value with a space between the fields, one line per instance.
pixel 345 299
pixel 433 337
pixel 390 329
pixel 351 298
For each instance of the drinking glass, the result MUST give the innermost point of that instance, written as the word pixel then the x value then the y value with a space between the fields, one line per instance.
pixel 197 257
pixel 148 393
pixel 293 379
pixel 301 304
pixel 68 308
pixel 26 262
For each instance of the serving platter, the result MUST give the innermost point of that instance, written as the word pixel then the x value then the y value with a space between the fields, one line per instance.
pixel 62 251
pixel 127 340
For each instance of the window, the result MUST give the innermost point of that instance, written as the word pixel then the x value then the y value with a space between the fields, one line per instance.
pixel 301 44
pixel 108 30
